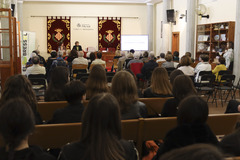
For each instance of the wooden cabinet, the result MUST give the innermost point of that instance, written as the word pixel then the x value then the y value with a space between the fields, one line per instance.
pixel 212 38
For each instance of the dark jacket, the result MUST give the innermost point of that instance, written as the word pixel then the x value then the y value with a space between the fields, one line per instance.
pixel 31 153
pixel 75 151
pixel 149 94
pixel 230 144
pixel 42 61
pixel 54 95
pixel 232 106
pixel 136 110
pixel 186 134
pixel 70 114
pixel 77 48
pixel 170 108
pixel 148 68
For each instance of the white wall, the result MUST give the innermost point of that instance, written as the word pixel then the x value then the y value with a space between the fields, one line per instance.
pixel 88 37
pixel 219 11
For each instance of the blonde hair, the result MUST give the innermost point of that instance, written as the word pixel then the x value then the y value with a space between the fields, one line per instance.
pixel 117 53
pixel 124 88
pixel 160 83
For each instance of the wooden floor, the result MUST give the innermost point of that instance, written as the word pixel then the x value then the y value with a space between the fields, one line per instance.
pixel 219 109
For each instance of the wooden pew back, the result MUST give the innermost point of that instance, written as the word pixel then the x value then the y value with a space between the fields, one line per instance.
pixel 154 105
pixel 47 109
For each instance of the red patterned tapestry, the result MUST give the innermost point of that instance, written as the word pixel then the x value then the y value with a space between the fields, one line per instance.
pixel 58 31
pixel 109 33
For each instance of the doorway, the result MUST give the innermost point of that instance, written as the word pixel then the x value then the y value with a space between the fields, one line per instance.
pixel 175 41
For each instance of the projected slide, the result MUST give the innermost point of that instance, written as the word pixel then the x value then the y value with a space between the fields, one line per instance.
pixel 136 42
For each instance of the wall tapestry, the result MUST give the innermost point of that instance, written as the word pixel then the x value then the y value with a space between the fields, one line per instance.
pixel 58 32
pixel 109 33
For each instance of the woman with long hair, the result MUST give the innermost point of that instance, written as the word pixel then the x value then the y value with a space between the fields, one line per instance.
pixel 16 124
pixel 59 77
pixel 160 85
pixel 124 88
pixel 101 133
pixel 192 127
pixel 182 88
pixel 97 81
pixel 18 86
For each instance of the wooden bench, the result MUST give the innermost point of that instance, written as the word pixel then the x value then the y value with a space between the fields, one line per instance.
pixel 138 130
pixel 47 109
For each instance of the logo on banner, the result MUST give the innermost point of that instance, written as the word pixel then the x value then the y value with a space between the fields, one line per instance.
pixel 59 37
pixel 109 38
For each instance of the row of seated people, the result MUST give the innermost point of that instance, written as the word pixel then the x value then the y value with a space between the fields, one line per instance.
pixel 101 133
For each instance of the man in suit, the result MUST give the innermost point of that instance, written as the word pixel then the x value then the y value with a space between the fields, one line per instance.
pixel 77 47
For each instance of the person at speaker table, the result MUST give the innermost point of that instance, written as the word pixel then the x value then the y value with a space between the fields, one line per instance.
pixel 99 60
pixel 35 68
pixel 77 47
pixel 80 59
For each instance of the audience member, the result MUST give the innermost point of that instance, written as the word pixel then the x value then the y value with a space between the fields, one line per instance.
pixel 59 61
pixel 73 54
pixel 229 55
pixel 124 88
pixel 220 67
pixel 49 62
pixel 59 77
pixel 101 133
pixel 74 93
pixel 176 56
pixel 29 63
pixel 129 58
pixel 80 59
pixel 233 107
pixel 162 58
pixel 41 59
pixel 194 152
pixel 147 69
pixel 117 54
pixel 121 61
pixel 16 124
pixel 92 57
pixel 169 61
pixel 160 85
pixel 204 66
pixel 145 58
pixel 185 66
pixel 135 60
pixel 190 56
pixel 174 74
pixel 18 86
pixel 180 92
pixel 97 81
pixel 230 144
pixel 191 128
pixel 36 68
pixel 99 60
pixel 77 46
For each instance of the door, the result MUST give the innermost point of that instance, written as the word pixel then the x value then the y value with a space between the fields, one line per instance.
pixel 175 41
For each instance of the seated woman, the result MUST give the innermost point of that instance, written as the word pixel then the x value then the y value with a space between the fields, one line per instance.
pixel 191 128
pixel 124 88
pixel 49 62
pixel 185 66
pixel 59 77
pixel 220 67
pixel 74 93
pixel 18 86
pixel 16 124
pixel 160 85
pixel 101 133
pixel 180 92
pixel 92 57
pixel 169 61
pixel 97 81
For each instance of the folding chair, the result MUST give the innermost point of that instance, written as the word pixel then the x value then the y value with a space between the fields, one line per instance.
pixel 110 73
pixel 79 75
pixel 206 85
pixel 136 68
pixel 169 70
pixel 78 68
pixel 38 82
pixel 225 84
pixel 223 72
